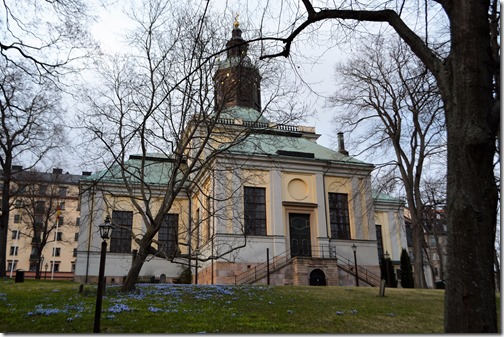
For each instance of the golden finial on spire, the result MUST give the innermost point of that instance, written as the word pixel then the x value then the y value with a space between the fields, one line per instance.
pixel 236 23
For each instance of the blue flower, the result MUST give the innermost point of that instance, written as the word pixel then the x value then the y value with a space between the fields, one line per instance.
pixel 153 309
pixel 117 308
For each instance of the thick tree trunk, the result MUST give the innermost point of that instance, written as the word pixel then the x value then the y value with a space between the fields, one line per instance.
pixel 136 266
pixel 4 220
pixel 138 261
pixel 470 304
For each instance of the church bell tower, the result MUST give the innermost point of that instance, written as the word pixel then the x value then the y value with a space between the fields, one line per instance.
pixel 237 80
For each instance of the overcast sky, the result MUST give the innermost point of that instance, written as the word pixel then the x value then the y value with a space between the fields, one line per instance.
pixel 112 23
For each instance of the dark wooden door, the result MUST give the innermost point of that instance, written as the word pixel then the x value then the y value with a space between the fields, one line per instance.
pixel 299 227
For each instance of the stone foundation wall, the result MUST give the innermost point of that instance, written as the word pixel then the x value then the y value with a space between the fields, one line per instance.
pixel 295 273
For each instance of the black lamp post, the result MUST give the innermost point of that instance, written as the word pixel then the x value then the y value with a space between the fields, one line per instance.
pixel 387 267
pixel 46 266
pixel 105 231
pixel 354 248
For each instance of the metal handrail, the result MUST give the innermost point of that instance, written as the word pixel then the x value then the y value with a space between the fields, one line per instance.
pixel 325 252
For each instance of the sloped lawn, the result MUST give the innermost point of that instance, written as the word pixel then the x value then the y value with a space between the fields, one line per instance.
pixel 58 307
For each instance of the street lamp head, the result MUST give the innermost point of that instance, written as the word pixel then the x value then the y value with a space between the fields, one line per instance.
pixel 386 255
pixel 105 229
pixel 354 248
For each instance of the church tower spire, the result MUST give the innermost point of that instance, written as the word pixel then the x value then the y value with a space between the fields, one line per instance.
pixel 237 80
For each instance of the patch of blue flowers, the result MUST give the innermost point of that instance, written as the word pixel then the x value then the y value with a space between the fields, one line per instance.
pixel 162 298
pixel 40 310
pixel 119 307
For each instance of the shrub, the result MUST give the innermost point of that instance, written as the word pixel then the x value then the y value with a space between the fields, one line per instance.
pixel 406 270
pixel 185 276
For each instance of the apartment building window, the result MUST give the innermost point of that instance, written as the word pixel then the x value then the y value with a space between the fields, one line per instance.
pixel 120 241
pixel 338 214
pixel 62 192
pixel 77 222
pixel 61 221
pixel 254 204
pixel 56 251
pixel 58 236
pixel 17 218
pixel 76 238
pixel 42 189
pixel 15 234
pixel 40 207
pixel 19 203
pixel 73 267
pixel 75 252
pixel 11 265
pixel 39 220
pixel 62 205
pixel 168 235
pixel 13 250
pixel 56 266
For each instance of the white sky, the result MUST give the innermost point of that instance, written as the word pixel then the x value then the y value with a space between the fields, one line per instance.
pixel 112 22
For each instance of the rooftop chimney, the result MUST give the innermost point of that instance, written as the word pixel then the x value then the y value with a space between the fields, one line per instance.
pixel 86 173
pixel 57 171
pixel 341 142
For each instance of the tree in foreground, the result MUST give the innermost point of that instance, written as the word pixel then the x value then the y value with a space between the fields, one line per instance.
pixel 468 79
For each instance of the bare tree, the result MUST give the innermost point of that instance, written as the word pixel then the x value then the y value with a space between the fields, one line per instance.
pixel 160 99
pixel 389 97
pixel 45 38
pixel 469 81
pixel 434 224
pixel 29 129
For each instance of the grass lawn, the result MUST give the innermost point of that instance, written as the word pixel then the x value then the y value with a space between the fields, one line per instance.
pixel 38 306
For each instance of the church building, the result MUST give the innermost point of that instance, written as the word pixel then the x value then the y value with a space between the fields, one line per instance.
pixel 275 208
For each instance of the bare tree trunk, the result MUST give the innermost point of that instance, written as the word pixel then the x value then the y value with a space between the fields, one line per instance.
pixel 4 217
pixel 418 272
pixel 470 304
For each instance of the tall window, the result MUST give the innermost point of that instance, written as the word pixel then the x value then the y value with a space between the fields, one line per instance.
pixel 17 218
pixel 254 205
pixel 338 213
pixel 379 241
pixel 120 241
pixel 168 235
pixel 58 236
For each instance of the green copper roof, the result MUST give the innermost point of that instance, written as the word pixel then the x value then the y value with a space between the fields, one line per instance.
pixel 278 145
pixel 157 171
pixel 245 114
pixel 381 197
